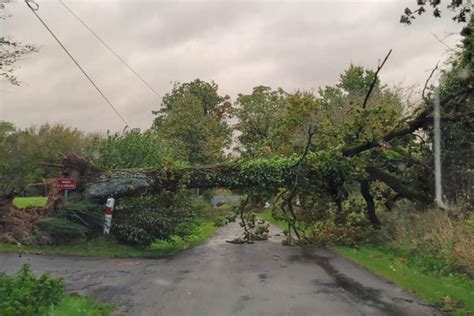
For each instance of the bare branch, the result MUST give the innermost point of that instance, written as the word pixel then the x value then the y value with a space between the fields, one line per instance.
pixel 372 85
pixel 442 41
pixel 427 82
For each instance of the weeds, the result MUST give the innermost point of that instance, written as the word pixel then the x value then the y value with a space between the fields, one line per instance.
pixel 442 243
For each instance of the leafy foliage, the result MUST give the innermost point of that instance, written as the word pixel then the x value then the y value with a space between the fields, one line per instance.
pixel 85 213
pixel 22 151
pixel 27 295
pixel 258 115
pixel 71 222
pixel 193 121
pixel 196 137
pixel 206 92
pixel 11 51
pixel 61 229
pixel 462 8
pixel 142 220
pixel 129 149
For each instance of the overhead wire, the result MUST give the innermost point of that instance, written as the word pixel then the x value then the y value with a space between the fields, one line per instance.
pixel 110 49
pixel 34 7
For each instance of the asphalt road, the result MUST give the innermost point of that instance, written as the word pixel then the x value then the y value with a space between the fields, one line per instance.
pixel 219 278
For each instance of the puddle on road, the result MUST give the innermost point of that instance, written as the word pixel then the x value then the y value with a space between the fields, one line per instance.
pixel 344 285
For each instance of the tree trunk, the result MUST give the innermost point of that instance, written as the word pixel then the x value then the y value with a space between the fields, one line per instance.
pixel 369 200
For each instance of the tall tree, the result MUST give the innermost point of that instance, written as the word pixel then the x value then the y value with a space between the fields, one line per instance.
pixel 258 114
pixel 192 121
pixel 23 151
pixel 212 103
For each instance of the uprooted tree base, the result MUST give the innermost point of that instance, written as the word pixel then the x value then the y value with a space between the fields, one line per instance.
pixel 18 223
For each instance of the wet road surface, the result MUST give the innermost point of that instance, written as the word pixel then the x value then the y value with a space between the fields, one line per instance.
pixel 219 278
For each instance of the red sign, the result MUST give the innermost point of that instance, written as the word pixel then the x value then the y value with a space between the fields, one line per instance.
pixel 66 183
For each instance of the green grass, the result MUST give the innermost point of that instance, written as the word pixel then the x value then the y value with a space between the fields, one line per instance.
pixel 30 201
pixel 107 247
pixel 75 305
pixel 453 293
pixel 267 215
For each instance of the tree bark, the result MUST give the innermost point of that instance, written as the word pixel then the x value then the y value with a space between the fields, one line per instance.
pixel 369 200
pixel 398 186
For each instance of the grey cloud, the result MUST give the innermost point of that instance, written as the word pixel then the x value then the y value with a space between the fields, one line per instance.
pixel 239 44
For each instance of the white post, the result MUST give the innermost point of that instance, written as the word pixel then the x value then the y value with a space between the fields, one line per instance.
pixel 109 209
pixel 437 149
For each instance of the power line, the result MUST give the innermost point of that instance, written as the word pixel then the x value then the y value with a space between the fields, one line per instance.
pixel 34 7
pixel 111 50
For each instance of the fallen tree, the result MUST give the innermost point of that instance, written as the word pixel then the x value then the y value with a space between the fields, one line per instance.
pixel 325 172
pixel 262 174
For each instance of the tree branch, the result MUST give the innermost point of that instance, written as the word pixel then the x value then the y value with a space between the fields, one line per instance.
pixel 374 82
pixel 427 82
pixel 421 120
pixel 397 185
pixel 369 200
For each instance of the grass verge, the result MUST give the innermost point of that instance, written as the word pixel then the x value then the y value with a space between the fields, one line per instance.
pixel 453 294
pixel 30 201
pixel 107 247
pixel 267 216
pixel 75 305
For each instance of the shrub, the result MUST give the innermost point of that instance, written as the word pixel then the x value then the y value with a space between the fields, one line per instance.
pixel 142 220
pixel 353 231
pixel 72 221
pixel 61 230
pixel 25 295
pixel 85 213
pixel 75 305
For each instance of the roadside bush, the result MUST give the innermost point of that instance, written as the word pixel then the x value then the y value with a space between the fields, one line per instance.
pixel 61 230
pixel 72 222
pixel 26 295
pixel 142 220
pixel 355 230
pixel 85 213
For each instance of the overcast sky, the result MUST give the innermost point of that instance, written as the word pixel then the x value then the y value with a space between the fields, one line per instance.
pixel 238 44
